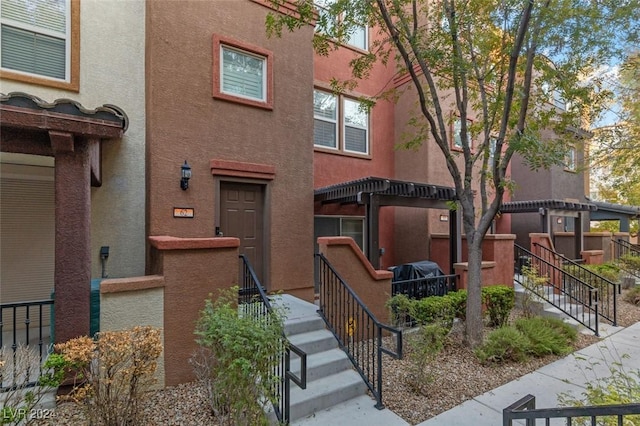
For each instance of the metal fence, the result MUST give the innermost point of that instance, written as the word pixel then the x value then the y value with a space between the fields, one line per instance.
pixel 561 289
pixel 358 332
pixel 525 409
pixel 420 288
pixel 253 301
pixel 27 324
pixel 576 274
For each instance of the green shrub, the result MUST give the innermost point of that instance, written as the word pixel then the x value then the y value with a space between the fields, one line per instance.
pixel 534 282
pixel 620 387
pixel 503 344
pixel 609 271
pixel 433 309
pixel 237 359
pixel 546 335
pixel 633 296
pixel 459 303
pixel 425 345
pixel 499 301
pixel 630 262
pixel 399 307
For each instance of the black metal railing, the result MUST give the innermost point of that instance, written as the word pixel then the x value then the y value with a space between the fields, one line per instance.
pixel 623 249
pixel 560 288
pixel 25 324
pixel 358 332
pixel 420 288
pixel 525 409
pixel 608 291
pixel 254 301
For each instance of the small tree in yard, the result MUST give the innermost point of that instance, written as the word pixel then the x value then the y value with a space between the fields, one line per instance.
pixel 499 61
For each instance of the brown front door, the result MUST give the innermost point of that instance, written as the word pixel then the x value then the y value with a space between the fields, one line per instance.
pixel 242 216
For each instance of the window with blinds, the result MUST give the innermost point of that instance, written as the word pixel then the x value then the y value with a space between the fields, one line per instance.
pixel 243 74
pixel 329 110
pixel 36 37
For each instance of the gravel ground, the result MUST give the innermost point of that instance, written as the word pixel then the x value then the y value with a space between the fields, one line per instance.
pixel 458 376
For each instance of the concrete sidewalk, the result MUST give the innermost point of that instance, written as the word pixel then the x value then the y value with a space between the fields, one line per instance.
pixel 568 375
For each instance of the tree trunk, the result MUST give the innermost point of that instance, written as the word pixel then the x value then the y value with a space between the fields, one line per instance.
pixel 474 322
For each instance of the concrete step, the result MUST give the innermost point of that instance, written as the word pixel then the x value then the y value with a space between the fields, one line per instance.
pixel 325 392
pixel 303 325
pixel 313 342
pixel 323 364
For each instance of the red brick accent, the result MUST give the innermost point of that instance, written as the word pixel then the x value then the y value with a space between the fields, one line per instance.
pixel 592 257
pixel 488 275
pixel 348 241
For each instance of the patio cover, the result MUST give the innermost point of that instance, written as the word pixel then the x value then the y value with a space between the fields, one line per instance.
pixel 548 208
pixel 376 192
pixel 608 211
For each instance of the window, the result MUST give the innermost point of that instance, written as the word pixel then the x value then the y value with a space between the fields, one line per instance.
pixel 570 160
pixel 358 34
pixel 40 42
pixel 242 73
pixel 457 138
pixel 352 135
pixel 493 141
pixel 340 226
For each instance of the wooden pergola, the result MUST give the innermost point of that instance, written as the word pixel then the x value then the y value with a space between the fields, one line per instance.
pixel 375 192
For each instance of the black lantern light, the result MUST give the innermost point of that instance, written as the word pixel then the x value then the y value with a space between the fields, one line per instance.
pixel 186 175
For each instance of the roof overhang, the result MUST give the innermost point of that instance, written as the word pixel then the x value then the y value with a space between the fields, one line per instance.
pixel 553 207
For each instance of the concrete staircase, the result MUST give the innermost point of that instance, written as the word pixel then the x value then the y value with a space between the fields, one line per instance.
pixel 546 309
pixel 331 379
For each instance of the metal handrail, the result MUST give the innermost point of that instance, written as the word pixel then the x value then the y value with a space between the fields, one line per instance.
pixel 357 330
pixel 253 294
pixel 607 290
pixel 562 290
pixel 28 321
pixel 622 248
pixel 525 409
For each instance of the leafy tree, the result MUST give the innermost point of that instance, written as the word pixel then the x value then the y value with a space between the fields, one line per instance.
pixel 500 61
pixel 616 151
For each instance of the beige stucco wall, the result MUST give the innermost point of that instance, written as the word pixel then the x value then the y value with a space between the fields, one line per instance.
pixel 136 302
pixel 112 37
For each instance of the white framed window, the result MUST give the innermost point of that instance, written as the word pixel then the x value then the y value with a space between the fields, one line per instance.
pixel 325 114
pixel 456 133
pixel 358 35
pixel 39 41
pixel 493 141
pixel 570 160
pixel 356 127
pixel 243 74
pixel 340 123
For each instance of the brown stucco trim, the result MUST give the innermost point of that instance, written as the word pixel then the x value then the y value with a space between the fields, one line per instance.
pixel 118 285
pixel 220 40
pixel 165 242
pixel 74 81
pixel 348 241
pixel 242 169
pixel 13 116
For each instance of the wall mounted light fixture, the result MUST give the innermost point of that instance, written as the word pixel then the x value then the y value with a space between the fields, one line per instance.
pixel 186 175
pixel 444 218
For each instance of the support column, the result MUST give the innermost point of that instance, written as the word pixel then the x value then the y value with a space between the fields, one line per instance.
pixel 72 275
pixel 454 240
pixel 578 234
pixel 373 235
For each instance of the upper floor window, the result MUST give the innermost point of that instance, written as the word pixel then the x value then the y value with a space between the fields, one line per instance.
pixel 457 135
pixel 570 160
pixel 242 73
pixel 357 34
pixel 40 42
pixel 340 123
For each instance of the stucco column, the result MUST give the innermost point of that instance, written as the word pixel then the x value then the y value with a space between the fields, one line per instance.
pixel 73 237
